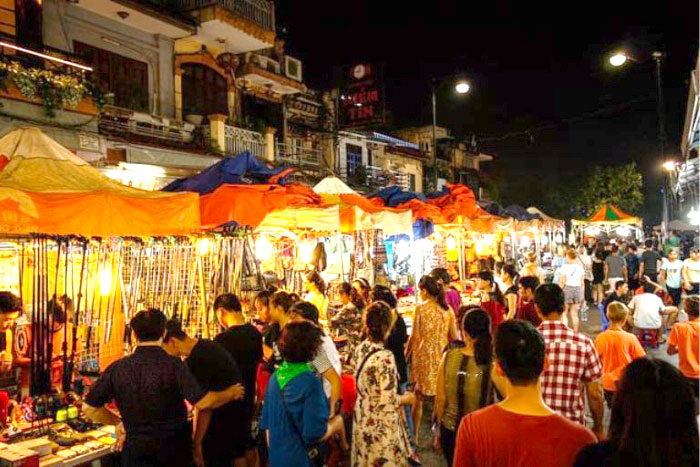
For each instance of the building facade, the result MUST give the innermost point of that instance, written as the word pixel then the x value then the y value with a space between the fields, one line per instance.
pixel 185 82
pixel 456 161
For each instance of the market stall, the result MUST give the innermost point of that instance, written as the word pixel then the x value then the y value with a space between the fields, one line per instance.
pixel 608 221
pixel 84 253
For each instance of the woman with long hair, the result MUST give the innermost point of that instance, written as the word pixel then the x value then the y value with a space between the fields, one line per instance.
pixel 571 280
pixel 509 277
pixel 434 325
pixel 464 380
pixel 492 300
pixel 452 296
pixel 531 268
pixel 346 324
pixel 379 432
pixel 652 421
pixel 315 288
pixel 362 287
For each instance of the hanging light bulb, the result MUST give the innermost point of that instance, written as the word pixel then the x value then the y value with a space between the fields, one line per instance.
pixel 544 240
pixel 525 242
pixel 105 280
pixel 263 248
pixel 451 243
pixel 204 246
pixel 306 251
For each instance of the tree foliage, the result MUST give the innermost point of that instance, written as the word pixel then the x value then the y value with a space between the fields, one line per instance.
pixel 621 186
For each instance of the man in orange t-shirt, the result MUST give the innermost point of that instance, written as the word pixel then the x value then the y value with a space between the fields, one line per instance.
pixel 684 341
pixel 617 348
pixel 544 438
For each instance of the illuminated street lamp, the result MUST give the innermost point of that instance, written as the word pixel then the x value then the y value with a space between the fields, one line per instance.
pixel 618 59
pixel 669 166
pixel 462 87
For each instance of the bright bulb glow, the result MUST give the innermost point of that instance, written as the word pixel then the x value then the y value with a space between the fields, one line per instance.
pixel 618 59
pixel 306 251
pixel 263 248
pixel 525 242
pixel 451 244
pixel 592 231
pixel 669 166
pixel 559 238
pixel 623 231
pixel 204 246
pixel 544 240
pixel 105 281
pixel 462 87
pixel 694 217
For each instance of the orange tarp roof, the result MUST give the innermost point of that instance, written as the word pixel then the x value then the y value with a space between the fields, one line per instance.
pixel 45 188
pixel 250 204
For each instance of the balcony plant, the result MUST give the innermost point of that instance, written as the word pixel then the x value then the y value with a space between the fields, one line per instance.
pixel 55 90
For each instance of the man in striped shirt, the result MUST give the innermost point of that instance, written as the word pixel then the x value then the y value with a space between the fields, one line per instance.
pixel 573 363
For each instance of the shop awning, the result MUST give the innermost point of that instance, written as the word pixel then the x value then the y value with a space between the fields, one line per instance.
pixel 359 213
pixel 45 188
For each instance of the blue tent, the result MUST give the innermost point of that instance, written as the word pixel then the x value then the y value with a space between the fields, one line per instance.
pixel 242 168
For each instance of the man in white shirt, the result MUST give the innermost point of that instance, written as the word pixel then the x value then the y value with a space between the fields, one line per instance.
pixel 691 273
pixel 647 310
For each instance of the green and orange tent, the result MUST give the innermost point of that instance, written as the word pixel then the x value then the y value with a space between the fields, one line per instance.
pixel 612 215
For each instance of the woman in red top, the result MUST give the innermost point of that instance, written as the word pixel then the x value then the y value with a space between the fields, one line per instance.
pixel 492 300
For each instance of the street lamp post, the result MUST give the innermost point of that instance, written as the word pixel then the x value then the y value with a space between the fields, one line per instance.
pixel 461 87
pixel 620 59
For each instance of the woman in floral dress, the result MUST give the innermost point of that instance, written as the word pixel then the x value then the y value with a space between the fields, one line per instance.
pixel 434 325
pixel 379 434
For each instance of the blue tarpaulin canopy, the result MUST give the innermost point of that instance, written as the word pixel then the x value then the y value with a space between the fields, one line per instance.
pixel 242 168
pixel 514 211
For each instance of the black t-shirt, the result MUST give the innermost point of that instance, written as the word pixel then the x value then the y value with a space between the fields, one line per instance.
pixel 649 259
pixel 613 297
pixel 396 343
pixel 215 370
pixel 149 388
pixel 244 344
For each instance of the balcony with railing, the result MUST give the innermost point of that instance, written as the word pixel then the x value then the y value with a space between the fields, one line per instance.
pixel 265 75
pixel 150 129
pixel 240 139
pixel 244 25
pixel 370 178
pixel 307 160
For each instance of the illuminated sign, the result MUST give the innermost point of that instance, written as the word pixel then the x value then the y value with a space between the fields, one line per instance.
pixel 361 101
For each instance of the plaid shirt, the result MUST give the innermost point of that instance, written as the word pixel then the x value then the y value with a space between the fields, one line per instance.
pixel 573 361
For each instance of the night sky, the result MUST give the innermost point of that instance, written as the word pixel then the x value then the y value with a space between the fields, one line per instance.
pixel 537 68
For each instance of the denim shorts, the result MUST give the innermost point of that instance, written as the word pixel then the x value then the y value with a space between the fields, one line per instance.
pixel 573 295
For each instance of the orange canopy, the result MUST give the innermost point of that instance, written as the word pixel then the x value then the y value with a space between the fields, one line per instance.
pixel 250 204
pixel 456 206
pixel 45 188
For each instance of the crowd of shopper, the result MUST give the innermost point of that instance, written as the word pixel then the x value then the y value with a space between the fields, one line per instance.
pixel 511 379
